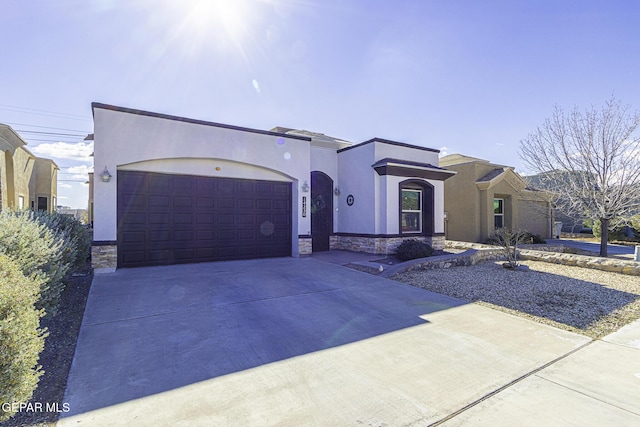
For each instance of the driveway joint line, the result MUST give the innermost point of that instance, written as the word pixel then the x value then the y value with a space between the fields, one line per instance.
pixel 509 384
pixel 587 395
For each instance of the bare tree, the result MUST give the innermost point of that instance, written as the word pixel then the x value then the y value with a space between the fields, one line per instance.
pixel 591 160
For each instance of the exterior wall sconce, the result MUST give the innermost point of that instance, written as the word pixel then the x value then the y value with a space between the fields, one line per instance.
pixel 336 191
pixel 305 187
pixel 106 176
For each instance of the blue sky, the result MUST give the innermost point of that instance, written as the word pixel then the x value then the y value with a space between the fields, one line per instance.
pixel 470 77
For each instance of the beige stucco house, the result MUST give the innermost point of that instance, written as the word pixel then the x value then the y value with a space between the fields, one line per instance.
pixel 483 196
pixel 26 181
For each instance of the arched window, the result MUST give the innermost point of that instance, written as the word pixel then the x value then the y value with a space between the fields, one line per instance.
pixel 416 208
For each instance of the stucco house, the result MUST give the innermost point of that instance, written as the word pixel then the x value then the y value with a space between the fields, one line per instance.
pixel 170 189
pixel 26 181
pixel 483 196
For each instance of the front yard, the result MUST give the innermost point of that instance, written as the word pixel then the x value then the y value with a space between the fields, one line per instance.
pixel 590 302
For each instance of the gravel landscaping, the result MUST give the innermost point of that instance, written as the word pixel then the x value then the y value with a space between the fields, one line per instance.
pixel 590 302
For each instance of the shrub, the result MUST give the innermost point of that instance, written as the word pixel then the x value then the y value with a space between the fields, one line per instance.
pixel 618 233
pixel 508 241
pixel 535 239
pixel 21 339
pixel 412 249
pixel 73 231
pixel 41 254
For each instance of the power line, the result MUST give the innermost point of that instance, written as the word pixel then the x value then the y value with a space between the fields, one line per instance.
pixel 49 133
pixel 41 112
pixel 66 139
pixel 44 127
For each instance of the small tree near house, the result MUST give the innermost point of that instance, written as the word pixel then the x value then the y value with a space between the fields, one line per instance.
pixel 508 240
pixel 591 161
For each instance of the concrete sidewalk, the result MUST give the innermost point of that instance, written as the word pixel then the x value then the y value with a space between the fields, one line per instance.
pixel 594 386
pixel 304 342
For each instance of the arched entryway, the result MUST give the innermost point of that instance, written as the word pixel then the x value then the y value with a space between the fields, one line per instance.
pixel 321 211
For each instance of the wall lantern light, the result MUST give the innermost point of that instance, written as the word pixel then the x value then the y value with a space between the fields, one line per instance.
pixel 305 187
pixel 106 176
pixel 336 191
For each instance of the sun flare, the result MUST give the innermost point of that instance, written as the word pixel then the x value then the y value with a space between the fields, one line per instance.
pixel 228 15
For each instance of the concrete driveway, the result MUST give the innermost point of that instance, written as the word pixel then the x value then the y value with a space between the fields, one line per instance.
pixel 303 342
pixel 593 246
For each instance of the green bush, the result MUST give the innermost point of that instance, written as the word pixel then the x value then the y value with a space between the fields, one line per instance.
pixel 412 249
pixel 618 233
pixel 73 231
pixel 42 254
pixel 21 339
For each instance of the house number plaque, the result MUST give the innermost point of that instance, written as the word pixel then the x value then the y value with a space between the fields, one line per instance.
pixel 350 200
pixel 304 206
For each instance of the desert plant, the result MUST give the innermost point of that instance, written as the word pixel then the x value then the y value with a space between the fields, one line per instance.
pixel 535 239
pixel 40 253
pixel 73 231
pixel 21 339
pixel 508 240
pixel 412 249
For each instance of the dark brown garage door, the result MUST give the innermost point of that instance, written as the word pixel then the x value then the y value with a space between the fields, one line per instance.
pixel 173 219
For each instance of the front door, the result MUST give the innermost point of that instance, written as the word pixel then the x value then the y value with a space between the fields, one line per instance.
pixel 321 211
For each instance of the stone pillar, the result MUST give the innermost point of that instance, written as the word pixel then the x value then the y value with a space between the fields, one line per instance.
pixel 104 257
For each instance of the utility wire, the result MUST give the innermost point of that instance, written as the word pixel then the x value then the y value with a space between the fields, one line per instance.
pixel 44 127
pixel 66 139
pixel 41 112
pixel 50 133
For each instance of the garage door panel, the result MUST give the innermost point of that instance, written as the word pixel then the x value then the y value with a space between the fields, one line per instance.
pixel 133 201
pixel 155 218
pixel 132 180
pixel 183 202
pixel 159 236
pixel 134 237
pixel 282 189
pixel 226 203
pixel 224 219
pixel 168 219
pixel 160 184
pixel 245 204
pixel 280 205
pixel 225 187
pixel 182 218
pixel 245 187
pixel 205 202
pixel 157 201
pixel 185 184
pixel 244 219
pixel 183 235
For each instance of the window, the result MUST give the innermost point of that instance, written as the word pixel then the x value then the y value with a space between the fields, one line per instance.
pixel 20 202
pixel 42 203
pixel 411 211
pixel 498 213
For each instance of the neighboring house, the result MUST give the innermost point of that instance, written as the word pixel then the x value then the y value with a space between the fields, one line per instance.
pixel 484 196
pixel 571 222
pixel 79 214
pixel 169 190
pixel 26 181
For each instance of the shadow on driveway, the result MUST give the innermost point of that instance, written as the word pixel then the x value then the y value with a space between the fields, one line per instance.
pixel 150 330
